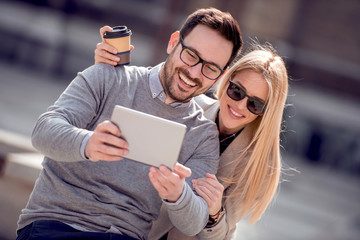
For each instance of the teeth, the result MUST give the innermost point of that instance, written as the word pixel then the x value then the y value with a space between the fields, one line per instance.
pixel 235 113
pixel 186 80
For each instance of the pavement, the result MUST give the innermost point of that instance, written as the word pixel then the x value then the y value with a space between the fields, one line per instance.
pixel 313 202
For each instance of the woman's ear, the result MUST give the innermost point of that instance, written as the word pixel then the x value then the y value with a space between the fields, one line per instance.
pixel 174 40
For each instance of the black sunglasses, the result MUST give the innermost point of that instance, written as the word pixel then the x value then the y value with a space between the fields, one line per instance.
pixel 237 93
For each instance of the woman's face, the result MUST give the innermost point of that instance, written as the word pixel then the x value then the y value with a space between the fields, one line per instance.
pixel 234 115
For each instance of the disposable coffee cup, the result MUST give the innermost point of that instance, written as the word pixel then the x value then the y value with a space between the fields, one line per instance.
pixel 119 38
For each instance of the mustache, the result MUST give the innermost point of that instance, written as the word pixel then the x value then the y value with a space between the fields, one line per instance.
pixel 187 75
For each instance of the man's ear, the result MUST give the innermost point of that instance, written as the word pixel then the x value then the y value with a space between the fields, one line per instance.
pixel 174 40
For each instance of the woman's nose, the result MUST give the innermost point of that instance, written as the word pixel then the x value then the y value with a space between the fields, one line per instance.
pixel 242 104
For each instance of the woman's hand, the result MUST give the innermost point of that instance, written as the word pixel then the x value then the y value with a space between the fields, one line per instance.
pixel 211 190
pixel 104 52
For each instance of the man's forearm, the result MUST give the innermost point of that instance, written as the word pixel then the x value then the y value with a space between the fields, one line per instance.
pixel 57 139
pixel 190 215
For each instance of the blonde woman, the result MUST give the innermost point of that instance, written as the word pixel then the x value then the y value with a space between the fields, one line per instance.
pixel 251 99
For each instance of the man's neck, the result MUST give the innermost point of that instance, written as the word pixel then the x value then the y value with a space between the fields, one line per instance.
pixel 168 100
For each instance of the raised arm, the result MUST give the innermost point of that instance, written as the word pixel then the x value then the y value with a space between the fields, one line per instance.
pixel 60 132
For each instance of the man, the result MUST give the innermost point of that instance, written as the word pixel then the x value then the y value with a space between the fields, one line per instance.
pixel 86 190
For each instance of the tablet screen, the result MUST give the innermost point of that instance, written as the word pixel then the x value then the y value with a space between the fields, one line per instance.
pixel 152 140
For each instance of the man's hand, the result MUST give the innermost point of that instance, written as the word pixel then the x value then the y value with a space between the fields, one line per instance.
pixel 106 144
pixel 169 184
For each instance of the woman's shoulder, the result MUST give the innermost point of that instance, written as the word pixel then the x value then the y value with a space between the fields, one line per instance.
pixel 206 102
pixel 206 99
pixel 209 105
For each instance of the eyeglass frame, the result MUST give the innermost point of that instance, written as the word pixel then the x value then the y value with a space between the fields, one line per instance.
pixel 202 61
pixel 248 98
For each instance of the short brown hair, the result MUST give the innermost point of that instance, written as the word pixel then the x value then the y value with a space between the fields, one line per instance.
pixel 220 21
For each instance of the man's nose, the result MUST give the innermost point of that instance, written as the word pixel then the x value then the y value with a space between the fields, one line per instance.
pixel 195 71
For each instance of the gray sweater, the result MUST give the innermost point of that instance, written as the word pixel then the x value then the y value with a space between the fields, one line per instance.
pixel 117 196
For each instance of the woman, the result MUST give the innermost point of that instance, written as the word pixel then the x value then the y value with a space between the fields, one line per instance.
pixel 251 99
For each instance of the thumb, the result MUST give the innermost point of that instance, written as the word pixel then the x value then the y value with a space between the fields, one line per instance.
pixel 182 171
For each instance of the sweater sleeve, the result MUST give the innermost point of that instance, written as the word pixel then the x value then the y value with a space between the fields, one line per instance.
pixel 60 131
pixel 191 209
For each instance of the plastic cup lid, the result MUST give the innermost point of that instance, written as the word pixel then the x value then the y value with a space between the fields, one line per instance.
pixel 118 31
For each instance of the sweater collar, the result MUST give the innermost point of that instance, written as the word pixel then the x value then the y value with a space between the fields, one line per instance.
pixel 157 90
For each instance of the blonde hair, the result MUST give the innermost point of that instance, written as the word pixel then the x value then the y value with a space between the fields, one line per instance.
pixel 257 176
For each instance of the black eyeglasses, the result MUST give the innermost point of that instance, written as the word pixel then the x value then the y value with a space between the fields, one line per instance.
pixel 237 93
pixel 190 58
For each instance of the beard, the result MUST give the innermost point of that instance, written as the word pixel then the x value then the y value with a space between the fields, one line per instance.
pixel 168 80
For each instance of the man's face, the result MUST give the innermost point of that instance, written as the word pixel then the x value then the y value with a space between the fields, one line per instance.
pixel 182 82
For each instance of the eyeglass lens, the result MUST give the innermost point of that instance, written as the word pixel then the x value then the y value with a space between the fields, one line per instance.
pixel 190 58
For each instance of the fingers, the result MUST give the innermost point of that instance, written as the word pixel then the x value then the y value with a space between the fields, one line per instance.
pixel 99 148
pixel 108 127
pixel 168 183
pixel 97 156
pixel 212 184
pixel 182 171
pixel 204 193
pixel 166 177
pixel 103 30
pixel 106 143
pixel 111 145
pixel 106 49
pixel 213 201
pixel 103 54
pixel 158 180
pixel 103 50
pixel 211 190
pixel 210 179
pixel 212 176
pixel 160 183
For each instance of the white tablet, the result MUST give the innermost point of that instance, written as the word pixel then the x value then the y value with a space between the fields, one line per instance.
pixel 152 140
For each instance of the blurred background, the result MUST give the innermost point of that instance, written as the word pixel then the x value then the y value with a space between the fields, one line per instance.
pixel 44 43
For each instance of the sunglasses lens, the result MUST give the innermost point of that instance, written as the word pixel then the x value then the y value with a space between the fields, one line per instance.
pixel 255 107
pixel 234 92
